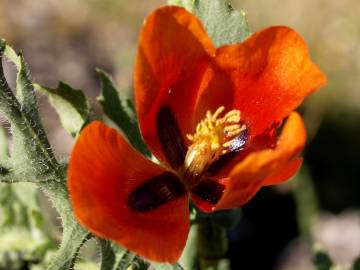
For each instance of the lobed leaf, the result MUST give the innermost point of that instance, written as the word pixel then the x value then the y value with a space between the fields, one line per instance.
pixel 114 257
pixel 71 105
pixel 120 110
pixel 32 158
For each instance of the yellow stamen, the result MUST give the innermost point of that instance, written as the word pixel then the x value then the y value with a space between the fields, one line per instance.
pixel 214 135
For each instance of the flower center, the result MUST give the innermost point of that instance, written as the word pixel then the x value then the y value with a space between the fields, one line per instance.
pixel 214 137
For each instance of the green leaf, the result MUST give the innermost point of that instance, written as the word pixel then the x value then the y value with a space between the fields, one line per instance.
pixel 4 154
pixel 30 145
pixel 138 264
pixel 4 151
pixel 22 227
pixel 108 255
pixel 24 87
pixel 32 160
pixel 114 257
pixel 71 105
pixel 120 110
pixel 223 24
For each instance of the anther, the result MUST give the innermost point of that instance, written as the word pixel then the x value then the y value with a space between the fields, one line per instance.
pixel 214 137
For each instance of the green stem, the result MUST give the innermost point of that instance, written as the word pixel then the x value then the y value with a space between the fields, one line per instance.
pixel 306 203
pixel 212 245
pixel 74 236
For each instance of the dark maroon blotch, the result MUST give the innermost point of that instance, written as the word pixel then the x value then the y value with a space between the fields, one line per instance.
pixel 156 192
pixel 209 190
pixel 170 137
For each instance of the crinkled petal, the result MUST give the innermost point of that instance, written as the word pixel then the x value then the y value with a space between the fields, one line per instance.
pixel 104 173
pixel 271 73
pixel 270 166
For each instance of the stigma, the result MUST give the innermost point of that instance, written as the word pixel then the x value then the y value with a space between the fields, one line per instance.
pixel 214 137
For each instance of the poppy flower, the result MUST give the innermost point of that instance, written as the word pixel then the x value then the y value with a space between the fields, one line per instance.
pixel 210 116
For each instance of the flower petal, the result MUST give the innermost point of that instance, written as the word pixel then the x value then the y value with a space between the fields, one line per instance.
pixel 272 73
pixel 207 194
pixel 106 176
pixel 171 66
pixel 284 173
pixel 250 175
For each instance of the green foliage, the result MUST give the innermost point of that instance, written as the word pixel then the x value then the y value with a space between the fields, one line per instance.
pixel 32 145
pixel 120 110
pixel 114 257
pixel 71 105
pixel 32 159
pixel 22 227
pixel 223 24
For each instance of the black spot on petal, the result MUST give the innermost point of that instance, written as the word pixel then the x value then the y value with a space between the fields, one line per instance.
pixel 209 190
pixel 156 192
pixel 170 137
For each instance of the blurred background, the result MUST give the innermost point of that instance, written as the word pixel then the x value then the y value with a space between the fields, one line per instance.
pixel 66 40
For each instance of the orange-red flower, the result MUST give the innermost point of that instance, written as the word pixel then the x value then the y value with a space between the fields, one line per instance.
pixel 209 115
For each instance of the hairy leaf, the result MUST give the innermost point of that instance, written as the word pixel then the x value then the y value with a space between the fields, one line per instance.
pixel 114 257
pixel 71 105
pixel 32 158
pixel 4 151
